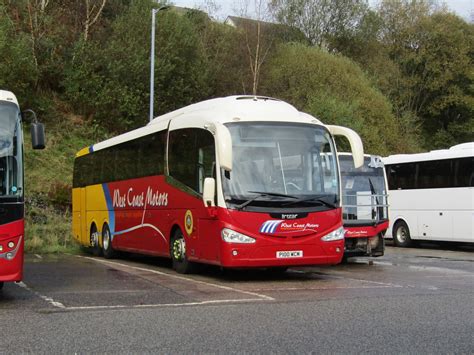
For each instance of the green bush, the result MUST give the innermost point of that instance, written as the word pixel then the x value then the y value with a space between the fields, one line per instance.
pixel 336 90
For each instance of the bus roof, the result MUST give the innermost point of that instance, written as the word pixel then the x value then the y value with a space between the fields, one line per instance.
pixel 458 151
pixel 219 110
pixel 8 96
pixel 365 155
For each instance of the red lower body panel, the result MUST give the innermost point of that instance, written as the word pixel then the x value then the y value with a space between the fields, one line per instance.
pixel 238 255
pixel 11 251
pixel 365 240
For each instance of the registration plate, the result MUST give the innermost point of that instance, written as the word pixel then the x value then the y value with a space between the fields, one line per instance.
pixel 289 254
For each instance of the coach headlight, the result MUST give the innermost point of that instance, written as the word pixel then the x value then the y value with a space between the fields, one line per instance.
pixel 337 234
pixel 231 236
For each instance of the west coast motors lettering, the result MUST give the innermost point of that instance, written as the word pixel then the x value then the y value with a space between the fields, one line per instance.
pixel 132 199
pixel 297 226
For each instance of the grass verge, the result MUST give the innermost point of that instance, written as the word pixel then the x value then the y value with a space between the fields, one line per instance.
pixel 48 182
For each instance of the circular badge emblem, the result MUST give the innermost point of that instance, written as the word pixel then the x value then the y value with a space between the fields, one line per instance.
pixel 188 222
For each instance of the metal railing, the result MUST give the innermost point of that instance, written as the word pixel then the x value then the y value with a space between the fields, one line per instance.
pixel 374 210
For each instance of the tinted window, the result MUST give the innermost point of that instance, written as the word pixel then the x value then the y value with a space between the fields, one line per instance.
pixel 401 176
pixel 434 174
pixel 191 156
pixel 133 159
pixel 463 172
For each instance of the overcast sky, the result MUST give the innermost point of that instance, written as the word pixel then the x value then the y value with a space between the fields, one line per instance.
pixel 228 7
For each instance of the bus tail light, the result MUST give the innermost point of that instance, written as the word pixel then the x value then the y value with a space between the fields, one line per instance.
pixel 231 236
pixel 337 234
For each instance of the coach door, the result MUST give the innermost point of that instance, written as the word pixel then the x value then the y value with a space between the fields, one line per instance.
pixel 191 158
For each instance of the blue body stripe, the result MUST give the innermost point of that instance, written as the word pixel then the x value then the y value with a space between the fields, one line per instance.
pixel 91 149
pixel 110 208
pixel 270 226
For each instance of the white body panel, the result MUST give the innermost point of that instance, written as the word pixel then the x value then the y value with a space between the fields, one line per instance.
pixel 434 214
pixel 439 214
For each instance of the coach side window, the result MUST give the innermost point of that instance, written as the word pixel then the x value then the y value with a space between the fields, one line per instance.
pixel 191 156
pixel 401 176
pixel 151 154
pixel 434 174
pixel 464 172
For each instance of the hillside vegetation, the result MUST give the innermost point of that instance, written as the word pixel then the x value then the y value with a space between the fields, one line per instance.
pixel 399 74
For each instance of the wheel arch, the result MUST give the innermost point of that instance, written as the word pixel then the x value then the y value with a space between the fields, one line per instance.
pixel 175 227
pixel 397 220
pixel 92 224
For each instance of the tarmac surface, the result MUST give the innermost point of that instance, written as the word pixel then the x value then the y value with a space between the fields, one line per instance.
pixel 417 300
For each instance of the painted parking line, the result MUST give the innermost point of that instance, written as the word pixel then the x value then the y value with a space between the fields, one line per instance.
pixel 178 277
pixel 47 299
pixel 165 305
pixel 61 307
pixel 376 283
pixel 443 270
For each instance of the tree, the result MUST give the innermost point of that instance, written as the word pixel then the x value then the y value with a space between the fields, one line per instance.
pixel 337 91
pixel 109 79
pixel 220 44
pixel 433 51
pixel 93 11
pixel 320 19
pixel 18 72
pixel 257 36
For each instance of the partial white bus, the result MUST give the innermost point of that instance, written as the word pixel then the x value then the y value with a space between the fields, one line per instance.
pixel 432 195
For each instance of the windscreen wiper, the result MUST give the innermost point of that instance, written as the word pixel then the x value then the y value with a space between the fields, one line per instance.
pixel 373 192
pixel 261 194
pixel 317 200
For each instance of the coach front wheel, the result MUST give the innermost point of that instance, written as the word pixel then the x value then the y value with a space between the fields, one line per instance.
pixel 401 235
pixel 107 248
pixel 178 254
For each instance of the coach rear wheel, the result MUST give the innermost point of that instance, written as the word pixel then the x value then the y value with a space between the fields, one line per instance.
pixel 107 248
pixel 94 241
pixel 178 254
pixel 401 235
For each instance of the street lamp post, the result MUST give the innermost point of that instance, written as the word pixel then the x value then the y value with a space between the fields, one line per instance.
pixel 152 61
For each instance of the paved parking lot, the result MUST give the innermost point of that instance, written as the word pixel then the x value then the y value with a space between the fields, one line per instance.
pixel 410 300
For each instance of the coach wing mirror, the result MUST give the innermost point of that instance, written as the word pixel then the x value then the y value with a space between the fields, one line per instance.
pixel 354 140
pixel 209 192
pixel 37 135
pixel 37 131
pixel 224 146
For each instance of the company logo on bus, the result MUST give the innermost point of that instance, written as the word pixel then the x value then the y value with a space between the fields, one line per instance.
pixel 270 226
pixel 282 226
pixel 139 199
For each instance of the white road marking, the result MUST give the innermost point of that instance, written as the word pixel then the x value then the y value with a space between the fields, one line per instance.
pixel 164 305
pixel 264 297
pixel 44 298
pixel 322 288
pixel 427 268
pixel 385 284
